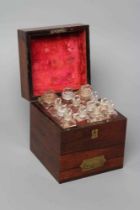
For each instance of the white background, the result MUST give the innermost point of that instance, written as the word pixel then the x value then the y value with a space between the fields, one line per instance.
pixel 115 49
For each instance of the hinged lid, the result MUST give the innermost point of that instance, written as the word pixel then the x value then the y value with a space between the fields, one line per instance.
pixel 53 58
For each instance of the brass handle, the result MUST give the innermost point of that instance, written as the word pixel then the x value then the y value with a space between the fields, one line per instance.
pixel 93 163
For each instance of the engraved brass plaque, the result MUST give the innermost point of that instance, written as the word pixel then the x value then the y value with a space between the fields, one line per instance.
pixel 93 163
pixel 94 133
pixel 56 31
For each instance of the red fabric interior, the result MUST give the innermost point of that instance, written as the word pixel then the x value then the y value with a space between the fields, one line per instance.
pixel 58 61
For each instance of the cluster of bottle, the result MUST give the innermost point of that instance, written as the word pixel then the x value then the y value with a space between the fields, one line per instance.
pixel 75 108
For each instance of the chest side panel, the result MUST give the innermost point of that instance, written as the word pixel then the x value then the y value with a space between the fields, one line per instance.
pixel 45 140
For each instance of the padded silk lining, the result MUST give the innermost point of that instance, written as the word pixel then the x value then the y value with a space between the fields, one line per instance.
pixel 58 61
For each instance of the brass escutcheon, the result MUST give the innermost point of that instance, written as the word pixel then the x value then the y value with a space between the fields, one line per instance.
pixel 93 163
pixel 94 133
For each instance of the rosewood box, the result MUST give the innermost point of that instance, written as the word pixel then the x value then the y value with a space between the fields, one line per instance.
pixel 55 58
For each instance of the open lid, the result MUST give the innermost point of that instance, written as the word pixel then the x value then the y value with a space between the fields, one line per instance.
pixel 53 58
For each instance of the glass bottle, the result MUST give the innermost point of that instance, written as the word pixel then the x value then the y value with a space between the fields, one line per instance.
pixel 57 103
pixel 81 116
pixel 55 106
pixel 111 110
pixel 68 121
pixel 76 101
pixel 90 106
pixel 86 92
pixel 67 95
pixel 48 98
pixel 61 110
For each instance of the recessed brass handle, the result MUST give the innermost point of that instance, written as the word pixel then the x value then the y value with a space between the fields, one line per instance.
pixel 93 163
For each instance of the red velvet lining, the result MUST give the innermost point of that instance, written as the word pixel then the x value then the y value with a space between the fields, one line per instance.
pixel 58 62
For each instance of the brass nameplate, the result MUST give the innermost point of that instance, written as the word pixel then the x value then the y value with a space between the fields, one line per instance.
pixel 93 163
pixel 59 30
pixel 94 133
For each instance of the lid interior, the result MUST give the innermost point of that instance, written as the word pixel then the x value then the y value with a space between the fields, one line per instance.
pixel 58 61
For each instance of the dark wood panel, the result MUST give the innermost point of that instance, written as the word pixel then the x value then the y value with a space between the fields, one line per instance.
pixel 77 173
pixel 45 140
pixel 60 28
pixel 105 130
pixel 109 134
pixel 48 159
pixel 74 160
pixel 23 61
pixel 45 130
